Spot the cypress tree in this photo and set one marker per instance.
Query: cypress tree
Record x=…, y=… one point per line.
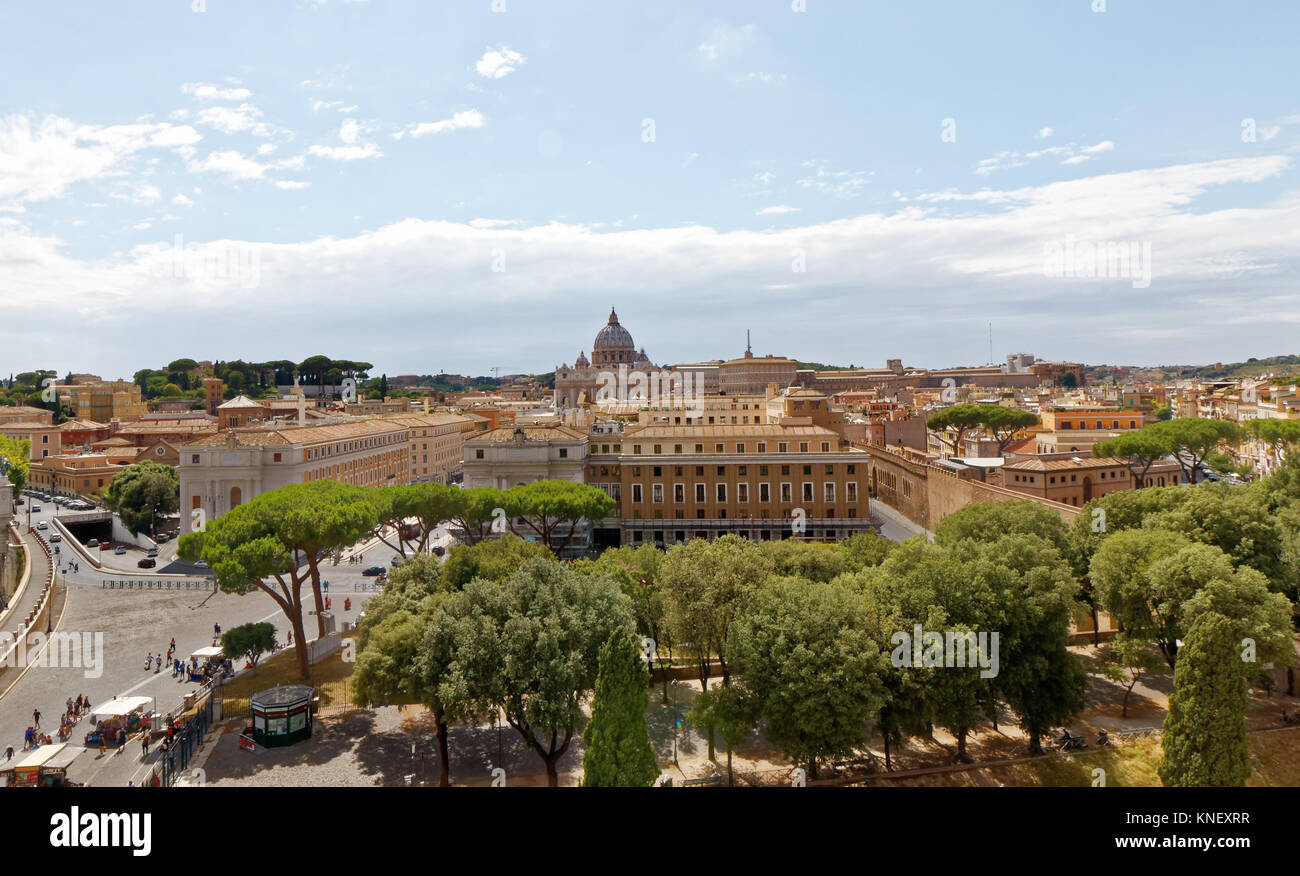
x=1205, y=730
x=618, y=751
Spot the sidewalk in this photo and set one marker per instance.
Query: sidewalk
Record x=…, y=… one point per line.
x=30, y=595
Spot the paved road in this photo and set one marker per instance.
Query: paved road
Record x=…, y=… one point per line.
x=893, y=525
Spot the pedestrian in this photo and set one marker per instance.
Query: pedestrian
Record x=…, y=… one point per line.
x=121, y=737
x=158, y=664
x=103, y=745
x=9, y=753
x=148, y=661
x=36, y=718
x=290, y=637
x=144, y=744
x=28, y=738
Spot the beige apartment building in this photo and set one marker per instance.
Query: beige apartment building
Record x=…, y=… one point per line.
x=221, y=471
x=25, y=414
x=107, y=400
x=764, y=482
x=517, y=455
x=437, y=445
x=751, y=375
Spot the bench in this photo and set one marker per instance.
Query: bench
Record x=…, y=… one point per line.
x=708, y=780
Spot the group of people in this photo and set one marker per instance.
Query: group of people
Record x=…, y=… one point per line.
x=357, y=559
x=33, y=737
x=156, y=660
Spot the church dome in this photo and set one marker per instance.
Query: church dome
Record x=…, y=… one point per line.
x=581, y=361
x=613, y=343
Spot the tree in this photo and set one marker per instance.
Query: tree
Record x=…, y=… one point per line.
x=530, y=646
x=1127, y=661
x=1145, y=606
x=962, y=418
x=475, y=512
x=548, y=508
x=1142, y=449
x=495, y=559
x=809, y=560
x=1194, y=439
x=1006, y=423
x=1205, y=731
x=805, y=652
x=273, y=536
x=428, y=504
x=730, y=712
x=618, y=751
x=143, y=492
x=251, y=640
x=17, y=453
x=989, y=521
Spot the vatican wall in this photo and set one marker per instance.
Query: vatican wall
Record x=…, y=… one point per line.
x=925, y=494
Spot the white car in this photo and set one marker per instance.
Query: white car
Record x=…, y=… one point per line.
x=42, y=525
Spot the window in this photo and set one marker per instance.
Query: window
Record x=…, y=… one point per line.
x=785, y=469
x=828, y=491
x=762, y=471
x=636, y=471
x=564, y=453
x=781, y=447
x=194, y=460
x=276, y=456
x=762, y=447
x=852, y=489
x=659, y=471
x=740, y=448
x=721, y=492
x=830, y=469
x=807, y=491
x=659, y=448
x=677, y=448
x=677, y=470
x=742, y=492
x=722, y=471
x=785, y=493
x=636, y=493
x=826, y=447
x=699, y=494
x=742, y=470
x=636, y=449
x=764, y=493
x=657, y=493
x=852, y=469
x=699, y=448
x=717, y=448
x=803, y=446
x=807, y=469
x=478, y=454
x=679, y=493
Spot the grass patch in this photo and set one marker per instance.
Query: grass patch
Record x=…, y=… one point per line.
x=331, y=677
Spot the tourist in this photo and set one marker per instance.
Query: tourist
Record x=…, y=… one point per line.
x=144, y=744
x=9, y=753
x=36, y=718
x=103, y=745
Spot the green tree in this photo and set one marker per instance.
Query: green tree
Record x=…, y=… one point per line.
x=1205, y=730
x=251, y=640
x=530, y=647
x=1126, y=662
x=1194, y=439
x=1142, y=449
x=143, y=492
x=1145, y=606
x=728, y=711
x=1006, y=423
x=618, y=752
x=553, y=509
x=960, y=418
x=495, y=559
x=805, y=653
x=17, y=453
x=281, y=536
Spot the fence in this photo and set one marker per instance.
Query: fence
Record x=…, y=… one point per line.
x=157, y=584
x=183, y=746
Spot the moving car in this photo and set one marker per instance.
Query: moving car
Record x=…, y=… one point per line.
x=119, y=550
x=373, y=571
x=55, y=538
x=105, y=546
x=36, y=509
x=20, y=501
x=147, y=563
x=153, y=552
x=42, y=525
x=94, y=542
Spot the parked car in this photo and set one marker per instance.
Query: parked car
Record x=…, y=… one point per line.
x=20, y=501
x=153, y=552
x=55, y=538
x=105, y=546
x=119, y=550
x=373, y=571
x=201, y=564
x=162, y=537
x=147, y=563
x=36, y=509
x=42, y=525
x=94, y=542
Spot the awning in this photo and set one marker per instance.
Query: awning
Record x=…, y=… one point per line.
x=41, y=756
x=116, y=708
x=64, y=758
x=205, y=653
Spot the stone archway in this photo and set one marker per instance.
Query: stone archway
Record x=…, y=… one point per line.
x=236, y=496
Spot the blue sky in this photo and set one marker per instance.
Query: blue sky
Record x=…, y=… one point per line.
x=440, y=186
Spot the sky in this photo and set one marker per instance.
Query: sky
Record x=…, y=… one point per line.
x=469, y=184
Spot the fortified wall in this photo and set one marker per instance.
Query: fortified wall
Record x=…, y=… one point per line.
x=924, y=493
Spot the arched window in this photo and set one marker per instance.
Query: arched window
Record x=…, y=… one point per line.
x=236, y=497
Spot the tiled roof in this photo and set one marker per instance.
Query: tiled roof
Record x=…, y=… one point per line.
x=760, y=430
x=1081, y=462
x=506, y=434
x=301, y=434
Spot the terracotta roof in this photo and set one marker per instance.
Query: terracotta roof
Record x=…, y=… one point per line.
x=82, y=426
x=24, y=425
x=1081, y=462
x=239, y=401
x=195, y=428
x=506, y=434
x=112, y=442
x=300, y=434
x=759, y=430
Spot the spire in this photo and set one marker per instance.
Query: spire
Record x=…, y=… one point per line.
x=613, y=317
x=748, y=348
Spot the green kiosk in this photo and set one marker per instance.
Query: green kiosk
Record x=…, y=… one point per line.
x=282, y=715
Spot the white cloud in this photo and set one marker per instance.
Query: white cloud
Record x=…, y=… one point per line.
x=1069, y=154
x=1043, y=133
x=840, y=183
x=266, y=148
x=499, y=63
x=346, y=153
x=727, y=41
x=233, y=120
x=182, y=201
x=232, y=164
x=777, y=210
x=470, y=118
x=208, y=91
x=291, y=184
x=350, y=131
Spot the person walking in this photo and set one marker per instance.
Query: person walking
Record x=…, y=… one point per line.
x=103, y=745
x=29, y=738
x=144, y=745
x=157, y=664
x=9, y=753
x=36, y=718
